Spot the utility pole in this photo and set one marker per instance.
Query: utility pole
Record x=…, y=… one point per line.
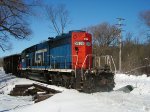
x=120, y=40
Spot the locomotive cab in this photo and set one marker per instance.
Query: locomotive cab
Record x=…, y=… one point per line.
x=82, y=47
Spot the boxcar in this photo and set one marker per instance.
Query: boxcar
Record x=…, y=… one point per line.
x=11, y=63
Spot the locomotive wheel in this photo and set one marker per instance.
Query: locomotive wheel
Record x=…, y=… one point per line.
x=66, y=81
x=47, y=77
x=72, y=82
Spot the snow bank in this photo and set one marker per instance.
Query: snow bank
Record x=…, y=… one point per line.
x=10, y=103
x=141, y=84
x=7, y=82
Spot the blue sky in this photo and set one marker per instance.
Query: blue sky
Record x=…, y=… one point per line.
x=84, y=13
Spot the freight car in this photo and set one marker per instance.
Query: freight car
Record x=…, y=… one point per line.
x=11, y=63
x=67, y=60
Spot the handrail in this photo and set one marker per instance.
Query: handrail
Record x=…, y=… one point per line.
x=108, y=59
x=50, y=58
x=76, y=65
x=82, y=74
x=54, y=57
x=86, y=59
x=113, y=64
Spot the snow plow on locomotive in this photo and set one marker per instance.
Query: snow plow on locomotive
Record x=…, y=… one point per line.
x=67, y=60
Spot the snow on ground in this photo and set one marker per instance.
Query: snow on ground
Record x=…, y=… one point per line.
x=141, y=84
x=73, y=101
x=7, y=82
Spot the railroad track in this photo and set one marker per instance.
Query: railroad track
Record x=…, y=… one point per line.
x=38, y=91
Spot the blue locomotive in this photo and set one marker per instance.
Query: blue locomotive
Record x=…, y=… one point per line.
x=67, y=60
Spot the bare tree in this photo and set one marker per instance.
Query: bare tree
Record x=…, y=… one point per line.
x=104, y=35
x=145, y=17
x=12, y=21
x=58, y=17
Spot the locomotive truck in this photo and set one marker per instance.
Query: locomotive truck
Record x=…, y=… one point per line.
x=66, y=60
